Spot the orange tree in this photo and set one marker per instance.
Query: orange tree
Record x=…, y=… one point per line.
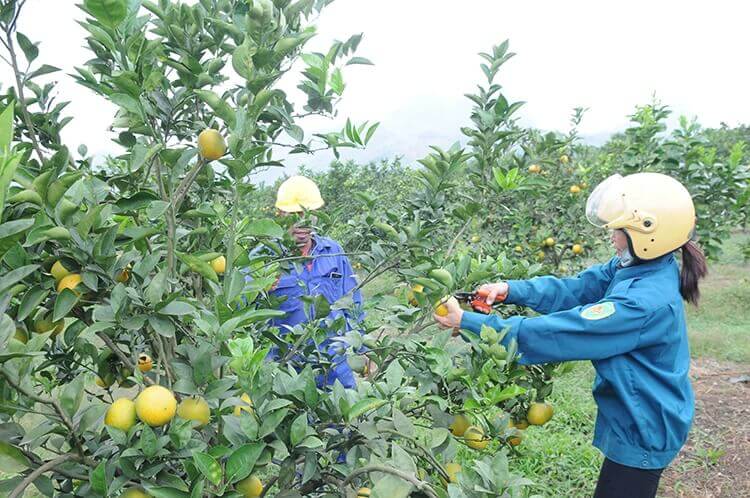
x=716, y=174
x=523, y=190
x=134, y=303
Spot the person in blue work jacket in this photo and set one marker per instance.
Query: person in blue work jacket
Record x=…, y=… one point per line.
x=627, y=316
x=326, y=271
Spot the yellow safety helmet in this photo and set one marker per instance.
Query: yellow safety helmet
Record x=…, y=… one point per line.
x=655, y=211
x=298, y=193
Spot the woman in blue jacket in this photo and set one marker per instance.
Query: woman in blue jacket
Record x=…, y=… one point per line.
x=627, y=317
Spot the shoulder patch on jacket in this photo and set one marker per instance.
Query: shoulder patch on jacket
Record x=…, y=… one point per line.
x=599, y=311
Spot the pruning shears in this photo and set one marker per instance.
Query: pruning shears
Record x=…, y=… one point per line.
x=477, y=300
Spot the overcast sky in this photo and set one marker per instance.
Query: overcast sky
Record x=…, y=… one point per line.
x=607, y=56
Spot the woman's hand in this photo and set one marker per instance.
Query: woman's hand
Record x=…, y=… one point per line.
x=495, y=292
x=451, y=319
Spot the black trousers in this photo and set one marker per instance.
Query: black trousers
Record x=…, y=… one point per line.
x=621, y=481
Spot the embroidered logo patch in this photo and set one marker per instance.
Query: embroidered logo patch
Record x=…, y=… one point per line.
x=599, y=311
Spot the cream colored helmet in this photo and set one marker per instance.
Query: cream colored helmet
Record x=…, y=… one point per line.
x=655, y=210
x=298, y=193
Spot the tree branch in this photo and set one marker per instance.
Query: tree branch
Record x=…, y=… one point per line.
x=51, y=464
x=48, y=401
x=410, y=478
x=182, y=188
x=455, y=239
x=21, y=98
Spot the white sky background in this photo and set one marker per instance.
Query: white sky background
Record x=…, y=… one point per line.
x=608, y=56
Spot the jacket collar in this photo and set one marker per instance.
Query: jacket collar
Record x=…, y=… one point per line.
x=648, y=266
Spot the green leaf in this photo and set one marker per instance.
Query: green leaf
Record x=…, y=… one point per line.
x=271, y=422
x=98, y=479
x=264, y=228
x=10, y=356
x=126, y=102
x=156, y=209
x=72, y=395
x=388, y=485
x=198, y=265
x=30, y=302
x=240, y=463
x=311, y=442
x=10, y=228
x=7, y=329
x=149, y=442
x=363, y=406
x=108, y=12
x=30, y=50
x=12, y=460
x=63, y=304
x=402, y=423
x=208, y=466
x=136, y=201
x=359, y=60
x=242, y=58
x=218, y=105
x=248, y=317
x=8, y=164
x=6, y=127
x=299, y=429
x=156, y=288
x=177, y=308
x=165, y=492
x=15, y=276
x=44, y=69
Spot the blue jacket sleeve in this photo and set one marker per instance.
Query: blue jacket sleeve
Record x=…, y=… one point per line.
x=550, y=294
x=592, y=332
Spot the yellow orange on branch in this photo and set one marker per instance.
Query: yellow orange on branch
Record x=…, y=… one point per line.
x=69, y=282
x=211, y=145
x=156, y=405
x=539, y=413
x=121, y=414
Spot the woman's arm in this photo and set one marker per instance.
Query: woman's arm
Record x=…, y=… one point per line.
x=607, y=328
x=551, y=294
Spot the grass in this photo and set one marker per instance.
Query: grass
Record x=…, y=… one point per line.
x=719, y=326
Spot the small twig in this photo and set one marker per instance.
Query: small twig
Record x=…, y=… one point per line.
x=184, y=186
x=122, y=356
x=48, y=401
x=455, y=239
x=268, y=485
x=410, y=478
x=21, y=97
x=38, y=461
x=18, y=491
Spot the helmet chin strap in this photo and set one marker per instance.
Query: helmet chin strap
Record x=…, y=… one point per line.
x=627, y=258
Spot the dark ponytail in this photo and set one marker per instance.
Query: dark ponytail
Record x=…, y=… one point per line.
x=693, y=269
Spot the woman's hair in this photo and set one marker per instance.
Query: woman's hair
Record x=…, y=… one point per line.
x=693, y=269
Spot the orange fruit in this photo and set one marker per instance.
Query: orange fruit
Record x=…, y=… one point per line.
x=211, y=145
x=69, y=282
x=539, y=413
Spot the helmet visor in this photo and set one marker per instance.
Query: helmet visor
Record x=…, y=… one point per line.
x=606, y=204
